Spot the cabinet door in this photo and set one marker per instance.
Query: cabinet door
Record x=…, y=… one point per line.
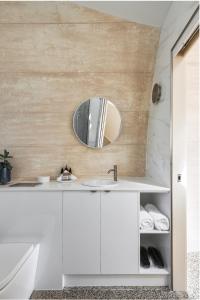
x=119, y=233
x=81, y=232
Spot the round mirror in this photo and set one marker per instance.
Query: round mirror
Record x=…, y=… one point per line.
x=97, y=122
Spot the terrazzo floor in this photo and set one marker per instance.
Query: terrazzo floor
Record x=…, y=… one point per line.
x=145, y=293
x=193, y=276
x=111, y=293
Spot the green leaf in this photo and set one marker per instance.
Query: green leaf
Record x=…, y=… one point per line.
x=4, y=159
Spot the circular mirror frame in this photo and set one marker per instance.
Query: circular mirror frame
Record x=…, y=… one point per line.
x=73, y=121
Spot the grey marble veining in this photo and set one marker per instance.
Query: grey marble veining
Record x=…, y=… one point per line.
x=110, y=293
x=158, y=136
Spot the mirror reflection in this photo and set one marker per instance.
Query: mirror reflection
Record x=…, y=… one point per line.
x=97, y=122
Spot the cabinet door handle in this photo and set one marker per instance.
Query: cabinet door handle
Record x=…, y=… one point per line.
x=107, y=191
x=93, y=191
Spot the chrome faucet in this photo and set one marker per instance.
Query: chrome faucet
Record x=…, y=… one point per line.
x=114, y=170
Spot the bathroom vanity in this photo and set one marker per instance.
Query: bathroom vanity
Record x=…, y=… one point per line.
x=87, y=235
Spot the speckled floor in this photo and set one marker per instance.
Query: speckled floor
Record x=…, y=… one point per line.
x=193, y=262
x=111, y=293
x=193, y=276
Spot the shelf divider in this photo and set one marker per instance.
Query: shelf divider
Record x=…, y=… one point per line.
x=154, y=231
x=153, y=271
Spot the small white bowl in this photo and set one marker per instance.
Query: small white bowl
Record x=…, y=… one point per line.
x=43, y=179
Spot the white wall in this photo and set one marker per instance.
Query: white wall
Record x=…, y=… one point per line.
x=158, y=144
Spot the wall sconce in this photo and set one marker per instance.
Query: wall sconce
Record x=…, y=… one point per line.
x=156, y=93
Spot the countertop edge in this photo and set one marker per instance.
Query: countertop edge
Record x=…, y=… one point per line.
x=134, y=184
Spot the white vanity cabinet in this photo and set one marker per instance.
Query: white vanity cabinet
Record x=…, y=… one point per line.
x=81, y=232
x=87, y=238
x=119, y=232
x=100, y=232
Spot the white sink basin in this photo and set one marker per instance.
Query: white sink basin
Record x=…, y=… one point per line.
x=100, y=183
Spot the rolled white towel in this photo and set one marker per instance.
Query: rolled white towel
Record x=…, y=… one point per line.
x=146, y=221
x=161, y=222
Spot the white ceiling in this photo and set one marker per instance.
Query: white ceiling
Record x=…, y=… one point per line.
x=144, y=12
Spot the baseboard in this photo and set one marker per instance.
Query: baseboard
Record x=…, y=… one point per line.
x=115, y=280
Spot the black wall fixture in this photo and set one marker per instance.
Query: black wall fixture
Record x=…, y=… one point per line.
x=156, y=93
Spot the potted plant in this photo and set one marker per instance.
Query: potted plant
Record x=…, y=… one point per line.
x=5, y=167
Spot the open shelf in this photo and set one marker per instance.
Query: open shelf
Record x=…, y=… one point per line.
x=154, y=231
x=160, y=239
x=154, y=271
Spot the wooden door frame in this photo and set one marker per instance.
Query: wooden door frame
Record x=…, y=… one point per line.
x=195, y=13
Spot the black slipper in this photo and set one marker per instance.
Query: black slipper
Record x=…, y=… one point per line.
x=156, y=257
x=144, y=260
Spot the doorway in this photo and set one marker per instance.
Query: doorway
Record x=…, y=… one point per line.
x=186, y=162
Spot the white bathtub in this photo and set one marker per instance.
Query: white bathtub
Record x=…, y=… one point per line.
x=18, y=263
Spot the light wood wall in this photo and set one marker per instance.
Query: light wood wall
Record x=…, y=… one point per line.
x=54, y=55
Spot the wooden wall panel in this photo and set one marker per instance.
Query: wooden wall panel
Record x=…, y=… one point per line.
x=103, y=47
x=53, y=12
x=60, y=92
x=48, y=160
x=54, y=55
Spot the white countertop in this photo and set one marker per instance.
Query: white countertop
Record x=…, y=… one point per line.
x=137, y=184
